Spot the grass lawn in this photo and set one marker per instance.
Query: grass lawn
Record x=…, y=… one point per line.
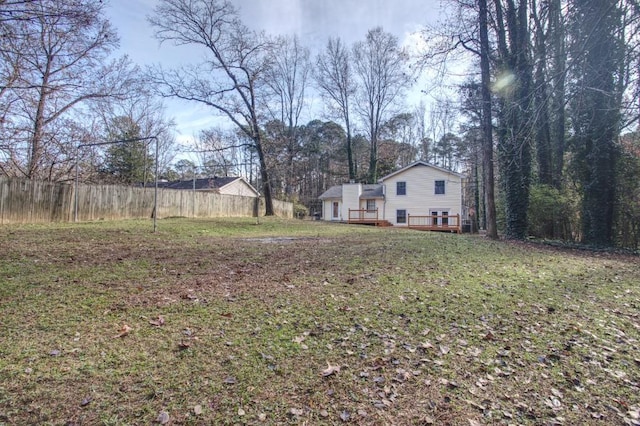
x=291, y=322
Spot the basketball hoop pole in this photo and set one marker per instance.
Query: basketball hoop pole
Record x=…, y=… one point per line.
x=155, y=189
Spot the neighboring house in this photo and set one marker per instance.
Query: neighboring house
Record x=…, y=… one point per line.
x=419, y=195
x=221, y=185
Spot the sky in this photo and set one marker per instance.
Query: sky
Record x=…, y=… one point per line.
x=314, y=21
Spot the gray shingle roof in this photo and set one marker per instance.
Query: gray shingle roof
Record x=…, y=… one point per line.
x=368, y=191
x=372, y=191
x=333, y=192
x=215, y=182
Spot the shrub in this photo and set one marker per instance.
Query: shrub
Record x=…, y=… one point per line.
x=552, y=214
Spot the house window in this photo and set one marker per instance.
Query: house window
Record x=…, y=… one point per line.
x=371, y=205
x=445, y=218
x=401, y=216
x=434, y=218
x=401, y=188
x=336, y=209
x=439, y=187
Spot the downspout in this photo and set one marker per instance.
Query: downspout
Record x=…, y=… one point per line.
x=384, y=201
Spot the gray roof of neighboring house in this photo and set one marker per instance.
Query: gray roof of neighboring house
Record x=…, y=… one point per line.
x=368, y=191
x=215, y=182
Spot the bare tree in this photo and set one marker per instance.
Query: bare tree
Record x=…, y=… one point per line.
x=380, y=65
x=335, y=78
x=230, y=78
x=220, y=152
x=55, y=61
x=288, y=80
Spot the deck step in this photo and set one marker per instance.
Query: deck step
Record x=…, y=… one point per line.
x=384, y=223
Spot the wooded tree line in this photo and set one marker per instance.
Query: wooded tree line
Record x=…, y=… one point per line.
x=555, y=102
x=542, y=127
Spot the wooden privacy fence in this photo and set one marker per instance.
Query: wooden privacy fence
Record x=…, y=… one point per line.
x=31, y=201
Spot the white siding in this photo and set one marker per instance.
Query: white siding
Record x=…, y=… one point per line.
x=327, y=209
x=421, y=198
x=350, y=198
x=238, y=187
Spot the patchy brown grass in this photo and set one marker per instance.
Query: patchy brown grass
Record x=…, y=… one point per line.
x=292, y=322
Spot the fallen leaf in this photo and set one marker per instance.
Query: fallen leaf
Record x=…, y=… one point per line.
x=324, y=413
x=230, y=380
x=241, y=412
x=297, y=411
x=157, y=322
x=124, y=330
x=54, y=352
x=262, y=417
x=163, y=418
x=86, y=401
x=476, y=405
x=475, y=352
x=345, y=416
x=426, y=345
x=331, y=369
x=197, y=410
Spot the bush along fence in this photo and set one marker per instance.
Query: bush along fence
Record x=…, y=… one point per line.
x=32, y=201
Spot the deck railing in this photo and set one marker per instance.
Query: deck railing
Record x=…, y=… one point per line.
x=449, y=223
x=362, y=215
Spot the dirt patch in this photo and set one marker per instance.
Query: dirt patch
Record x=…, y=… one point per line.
x=287, y=240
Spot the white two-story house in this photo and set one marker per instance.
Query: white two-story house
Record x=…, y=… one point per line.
x=419, y=195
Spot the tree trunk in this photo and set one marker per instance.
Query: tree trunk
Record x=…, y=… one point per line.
x=598, y=114
x=264, y=175
x=373, y=155
x=352, y=170
x=514, y=136
x=487, y=127
x=541, y=103
x=558, y=71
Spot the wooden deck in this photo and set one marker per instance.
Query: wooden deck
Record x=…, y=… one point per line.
x=443, y=223
x=366, y=217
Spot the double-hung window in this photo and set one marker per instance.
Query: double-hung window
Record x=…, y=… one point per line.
x=401, y=216
x=439, y=187
x=401, y=188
